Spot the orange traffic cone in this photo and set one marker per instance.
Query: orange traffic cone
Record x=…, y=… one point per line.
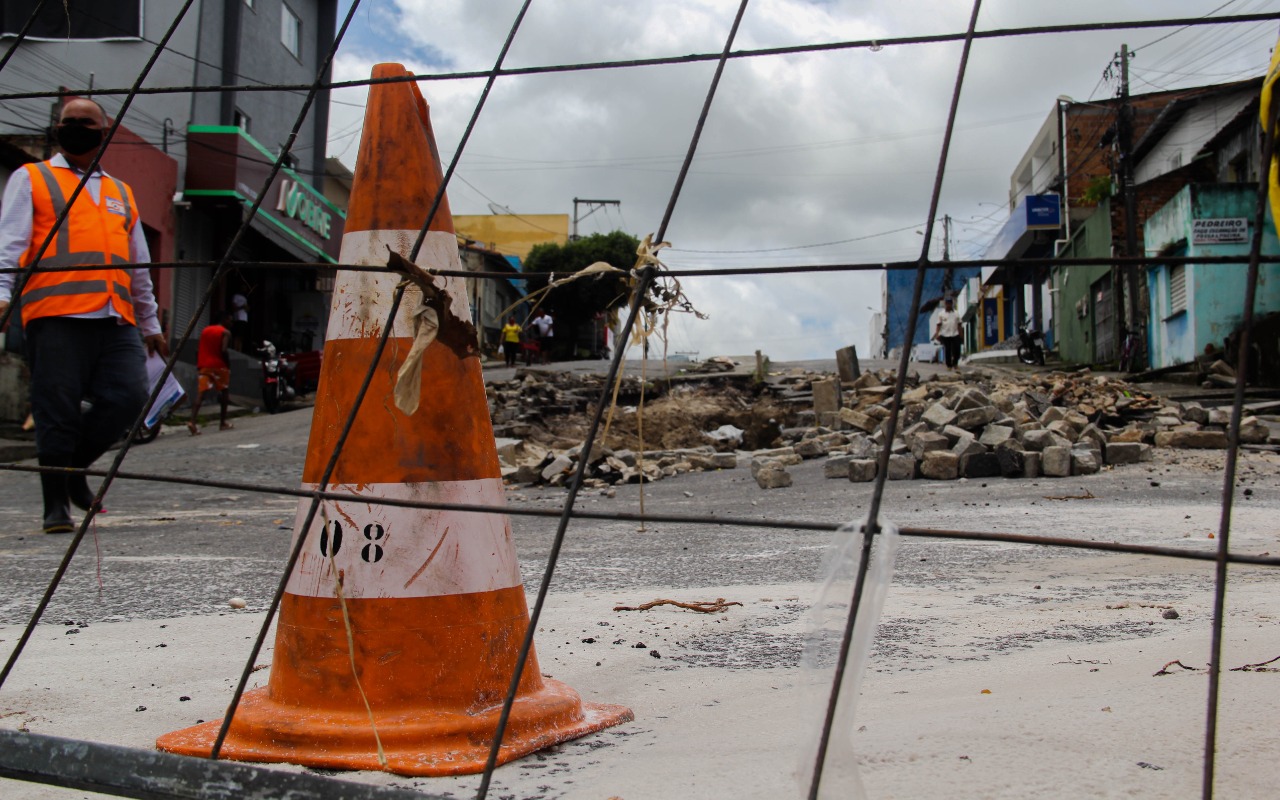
x=435, y=602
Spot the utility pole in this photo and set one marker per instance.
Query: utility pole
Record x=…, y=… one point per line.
x=592, y=207
x=948, y=274
x=1126, y=287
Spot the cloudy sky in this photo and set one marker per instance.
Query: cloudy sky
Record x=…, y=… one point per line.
x=824, y=158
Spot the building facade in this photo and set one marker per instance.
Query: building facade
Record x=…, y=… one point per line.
x=197, y=160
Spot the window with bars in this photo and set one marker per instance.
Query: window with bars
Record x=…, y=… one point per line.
x=1177, y=289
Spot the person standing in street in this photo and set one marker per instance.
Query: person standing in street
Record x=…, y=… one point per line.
x=947, y=332
x=213, y=363
x=544, y=324
x=240, y=322
x=510, y=340
x=85, y=329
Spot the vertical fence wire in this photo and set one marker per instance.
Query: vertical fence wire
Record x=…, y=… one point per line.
x=1243, y=373
x=641, y=290
x=872, y=525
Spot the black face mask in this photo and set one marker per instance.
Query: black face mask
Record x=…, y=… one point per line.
x=77, y=139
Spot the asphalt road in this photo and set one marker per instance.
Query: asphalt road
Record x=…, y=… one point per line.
x=169, y=550
x=713, y=712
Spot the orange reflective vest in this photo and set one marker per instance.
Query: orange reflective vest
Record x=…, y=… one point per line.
x=91, y=234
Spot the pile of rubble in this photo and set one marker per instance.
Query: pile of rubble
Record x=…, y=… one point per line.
x=1054, y=424
x=973, y=424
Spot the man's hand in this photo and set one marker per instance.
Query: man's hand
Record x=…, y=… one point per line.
x=4, y=306
x=157, y=344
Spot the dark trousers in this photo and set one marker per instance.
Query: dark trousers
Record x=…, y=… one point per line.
x=98, y=360
x=951, y=348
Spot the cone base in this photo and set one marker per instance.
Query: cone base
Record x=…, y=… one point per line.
x=427, y=744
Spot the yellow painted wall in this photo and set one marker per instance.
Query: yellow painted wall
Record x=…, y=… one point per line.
x=513, y=235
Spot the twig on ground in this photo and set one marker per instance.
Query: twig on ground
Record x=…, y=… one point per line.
x=1088, y=495
x=1071, y=660
x=707, y=607
x=1165, y=669
x=1259, y=667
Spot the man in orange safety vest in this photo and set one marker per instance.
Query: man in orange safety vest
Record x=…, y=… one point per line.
x=85, y=329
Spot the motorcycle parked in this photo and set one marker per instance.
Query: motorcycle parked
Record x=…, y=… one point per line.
x=1030, y=345
x=277, y=378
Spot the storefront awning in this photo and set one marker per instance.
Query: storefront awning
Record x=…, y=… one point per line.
x=1034, y=215
x=224, y=161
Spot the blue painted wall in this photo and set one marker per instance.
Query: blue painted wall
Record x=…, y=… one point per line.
x=900, y=283
x=1215, y=292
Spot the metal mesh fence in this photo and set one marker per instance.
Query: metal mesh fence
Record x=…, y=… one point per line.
x=644, y=279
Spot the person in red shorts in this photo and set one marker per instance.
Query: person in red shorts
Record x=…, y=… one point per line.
x=214, y=367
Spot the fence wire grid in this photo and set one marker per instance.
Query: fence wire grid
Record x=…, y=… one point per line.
x=644, y=281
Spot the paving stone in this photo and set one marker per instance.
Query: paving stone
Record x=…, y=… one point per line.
x=862, y=470
x=940, y=465
x=1123, y=452
x=980, y=465
x=927, y=442
x=1012, y=462
x=811, y=448
x=1196, y=440
x=938, y=416
x=836, y=466
x=1036, y=441
x=1031, y=465
x=902, y=467
x=994, y=435
x=1083, y=462
x=954, y=433
x=972, y=418
x=857, y=419
x=826, y=396
x=773, y=476
x=1055, y=461
x=967, y=446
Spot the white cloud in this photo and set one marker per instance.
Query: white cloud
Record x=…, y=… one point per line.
x=797, y=150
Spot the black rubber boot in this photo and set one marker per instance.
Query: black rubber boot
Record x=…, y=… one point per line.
x=79, y=492
x=57, y=504
x=78, y=485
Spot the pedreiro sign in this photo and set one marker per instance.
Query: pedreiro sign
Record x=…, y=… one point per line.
x=295, y=203
x=1220, y=231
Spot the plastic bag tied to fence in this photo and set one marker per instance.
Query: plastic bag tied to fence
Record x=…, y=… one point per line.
x=827, y=621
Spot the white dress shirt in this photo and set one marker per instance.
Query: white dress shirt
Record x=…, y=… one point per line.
x=16, y=219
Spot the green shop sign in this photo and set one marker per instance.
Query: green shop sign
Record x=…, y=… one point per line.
x=295, y=203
